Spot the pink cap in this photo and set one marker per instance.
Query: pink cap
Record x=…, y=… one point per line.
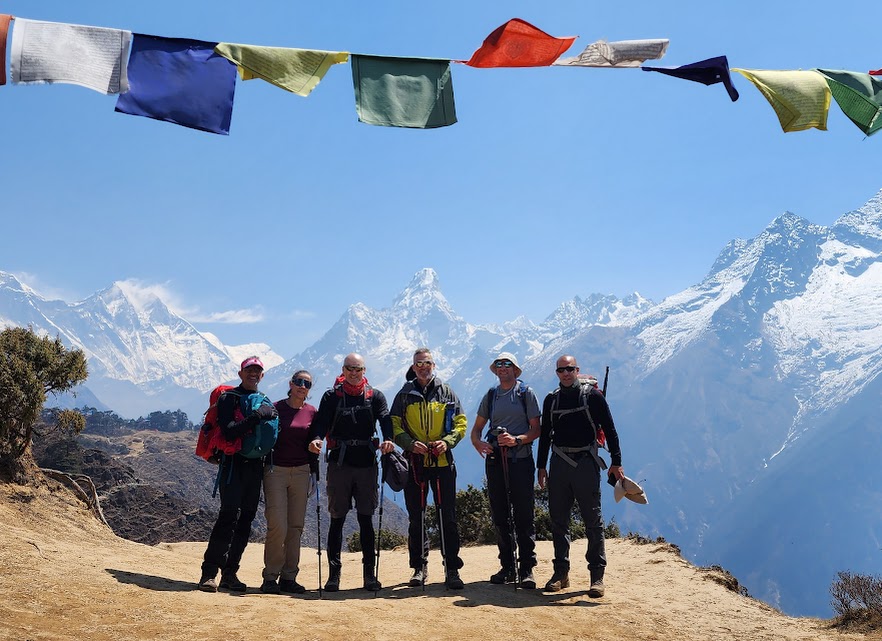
x=251, y=360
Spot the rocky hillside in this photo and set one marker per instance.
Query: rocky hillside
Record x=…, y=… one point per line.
x=153, y=488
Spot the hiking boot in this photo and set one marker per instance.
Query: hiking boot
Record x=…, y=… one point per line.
x=232, y=583
x=269, y=586
x=370, y=580
x=420, y=576
x=505, y=575
x=453, y=581
x=208, y=584
x=596, y=590
x=526, y=580
x=290, y=586
x=333, y=582
x=558, y=581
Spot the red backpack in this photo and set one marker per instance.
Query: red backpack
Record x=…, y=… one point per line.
x=211, y=442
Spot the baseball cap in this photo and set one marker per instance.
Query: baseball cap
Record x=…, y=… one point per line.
x=251, y=360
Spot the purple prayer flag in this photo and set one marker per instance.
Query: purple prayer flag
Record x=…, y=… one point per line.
x=181, y=81
x=708, y=72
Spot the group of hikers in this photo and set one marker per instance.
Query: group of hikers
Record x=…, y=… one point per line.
x=426, y=420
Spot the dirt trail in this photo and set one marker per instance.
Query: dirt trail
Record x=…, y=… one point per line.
x=63, y=576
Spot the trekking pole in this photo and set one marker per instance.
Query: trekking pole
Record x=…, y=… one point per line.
x=380, y=519
x=439, y=512
x=605, y=379
x=318, y=523
x=513, y=539
x=424, y=494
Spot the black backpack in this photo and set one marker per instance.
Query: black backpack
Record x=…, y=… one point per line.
x=395, y=470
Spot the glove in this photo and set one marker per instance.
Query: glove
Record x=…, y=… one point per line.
x=266, y=412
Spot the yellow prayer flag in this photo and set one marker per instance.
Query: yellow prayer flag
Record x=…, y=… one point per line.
x=296, y=70
x=801, y=99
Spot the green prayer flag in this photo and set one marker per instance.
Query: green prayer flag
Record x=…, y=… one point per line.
x=859, y=96
x=403, y=92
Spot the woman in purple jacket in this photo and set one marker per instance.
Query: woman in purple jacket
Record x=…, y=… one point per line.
x=286, y=481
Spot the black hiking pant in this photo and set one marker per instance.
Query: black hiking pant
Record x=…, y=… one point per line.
x=443, y=480
x=582, y=485
x=521, y=474
x=240, y=483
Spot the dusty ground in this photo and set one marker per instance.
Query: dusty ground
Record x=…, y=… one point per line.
x=64, y=576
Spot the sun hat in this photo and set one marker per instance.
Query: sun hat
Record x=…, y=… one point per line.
x=626, y=488
x=506, y=356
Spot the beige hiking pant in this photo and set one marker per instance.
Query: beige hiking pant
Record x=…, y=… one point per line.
x=285, y=492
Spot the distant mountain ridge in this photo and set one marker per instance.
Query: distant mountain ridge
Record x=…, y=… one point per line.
x=140, y=354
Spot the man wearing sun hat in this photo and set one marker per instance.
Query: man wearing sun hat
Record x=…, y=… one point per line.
x=512, y=411
x=240, y=483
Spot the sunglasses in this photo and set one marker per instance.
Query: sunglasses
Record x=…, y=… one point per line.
x=302, y=382
x=502, y=364
x=568, y=368
x=423, y=363
x=353, y=368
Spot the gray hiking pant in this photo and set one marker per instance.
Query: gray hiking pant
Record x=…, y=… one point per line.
x=285, y=491
x=582, y=485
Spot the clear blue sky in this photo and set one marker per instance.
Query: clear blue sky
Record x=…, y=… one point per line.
x=555, y=182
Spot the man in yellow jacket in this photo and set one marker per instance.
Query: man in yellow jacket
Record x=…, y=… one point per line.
x=427, y=422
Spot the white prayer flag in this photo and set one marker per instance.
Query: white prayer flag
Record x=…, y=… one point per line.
x=92, y=57
x=623, y=53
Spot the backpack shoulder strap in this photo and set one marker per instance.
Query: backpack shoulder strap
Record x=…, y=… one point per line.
x=491, y=396
x=555, y=402
x=522, y=394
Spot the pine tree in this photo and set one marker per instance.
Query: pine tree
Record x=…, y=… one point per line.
x=30, y=368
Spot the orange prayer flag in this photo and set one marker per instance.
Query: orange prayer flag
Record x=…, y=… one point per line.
x=519, y=44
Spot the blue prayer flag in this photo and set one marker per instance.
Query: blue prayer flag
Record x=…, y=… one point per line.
x=181, y=81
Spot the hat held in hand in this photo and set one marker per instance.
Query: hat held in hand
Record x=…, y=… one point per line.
x=626, y=488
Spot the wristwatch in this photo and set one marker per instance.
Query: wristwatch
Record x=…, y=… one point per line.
x=518, y=439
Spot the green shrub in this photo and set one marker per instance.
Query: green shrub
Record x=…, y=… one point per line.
x=612, y=530
x=389, y=540
x=857, y=599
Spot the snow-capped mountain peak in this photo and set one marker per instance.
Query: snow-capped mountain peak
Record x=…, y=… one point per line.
x=422, y=296
x=865, y=221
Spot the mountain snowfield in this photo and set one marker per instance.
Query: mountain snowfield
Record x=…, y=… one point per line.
x=747, y=404
x=141, y=355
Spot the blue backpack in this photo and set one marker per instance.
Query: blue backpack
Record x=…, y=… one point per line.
x=260, y=441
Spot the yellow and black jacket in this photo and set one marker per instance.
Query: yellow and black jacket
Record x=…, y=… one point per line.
x=433, y=414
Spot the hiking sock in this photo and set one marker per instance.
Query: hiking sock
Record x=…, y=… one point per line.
x=370, y=579
x=335, y=545
x=367, y=536
x=335, y=540
x=333, y=582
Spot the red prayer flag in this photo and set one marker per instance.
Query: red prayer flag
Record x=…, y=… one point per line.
x=4, y=30
x=519, y=44
x=878, y=72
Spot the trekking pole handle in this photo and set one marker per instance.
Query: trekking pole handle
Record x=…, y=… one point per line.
x=500, y=431
x=419, y=447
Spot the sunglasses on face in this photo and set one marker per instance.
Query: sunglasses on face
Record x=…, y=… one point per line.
x=353, y=368
x=499, y=364
x=423, y=363
x=302, y=382
x=568, y=368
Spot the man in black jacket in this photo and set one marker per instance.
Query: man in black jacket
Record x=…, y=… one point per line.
x=347, y=417
x=570, y=415
x=240, y=482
